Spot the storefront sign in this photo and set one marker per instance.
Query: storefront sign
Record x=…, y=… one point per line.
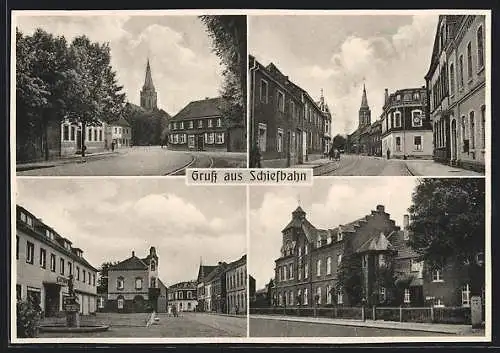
x=72, y=307
x=62, y=281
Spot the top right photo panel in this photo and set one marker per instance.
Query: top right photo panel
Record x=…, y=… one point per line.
x=389, y=94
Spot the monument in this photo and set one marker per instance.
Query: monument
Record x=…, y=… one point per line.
x=71, y=306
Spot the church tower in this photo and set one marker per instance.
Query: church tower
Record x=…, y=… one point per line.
x=365, y=118
x=148, y=92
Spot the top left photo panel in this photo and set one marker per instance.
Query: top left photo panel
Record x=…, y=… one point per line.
x=127, y=93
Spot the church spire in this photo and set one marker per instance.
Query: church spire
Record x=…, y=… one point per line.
x=364, y=100
x=148, y=92
x=148, y=82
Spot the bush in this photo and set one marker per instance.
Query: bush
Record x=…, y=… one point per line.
x=28, y=319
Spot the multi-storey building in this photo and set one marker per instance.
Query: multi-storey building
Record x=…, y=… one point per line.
x=118, y=133
x=456, y=85
x=182, y=296
x=201, y=292
x=287, y=125
x=306, y=273
x=360, y=140
x=236, y=286
x=133, y=285
x=406, y=126
x=327, y=124
x=45, y=262
x=376, y=139
x=215, y=289
x=199, y=126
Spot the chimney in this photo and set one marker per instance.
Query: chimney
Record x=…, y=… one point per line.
x=380, y=208
x=133, y=253
x=406, y=221
x=386, y=96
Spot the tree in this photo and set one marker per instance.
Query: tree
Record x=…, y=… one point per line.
x=270, y=292
x=229, y=40
x=349, y=279
x=102, y=281
x=447, y=220
x=339, y=142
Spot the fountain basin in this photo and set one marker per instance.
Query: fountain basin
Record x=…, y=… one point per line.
x=65, y=329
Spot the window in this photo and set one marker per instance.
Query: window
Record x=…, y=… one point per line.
x=262, y=137
x=306, y=249
x=138, y=283
x=191, y=141
x=153, y=282
x=397, y=117
x=279, y=140
x=175, y=126
x=339, y=259
x=290, y=271
x=263, y=91
x=417, y=142
x=219, y=122
x=291, y=298
x=452, y=78
x=77, y=273
x=120, y=303
x=53, y=262
x=73, y=133
x=209, y=122
x=84, y=276
x=95, y=134
x=318, y=267
x=329, y=265
x=43, y=258
x=398, y=144
x=70, y=268
x=339, y=236
x=381, y=260
x=30, y=252
x=119, y=282
x=466, y=295
x=406, y=298
x=416, y=95
x=65, y=133
x=480, y=48
x=306, y=270
x=340, y=297
x=100, y=135
x=17, y=247
x=181, y=125
x=281, y=101
x=305, y=296
x=318, y=241
x=382, y=294
x=329, y=239
x=180, y=295
x=209, y=136
x=437, y=276
x=200, y=124
x=469, y=60
x=438, y=303
x=398, y=97
x=483, y=126
x=88, y=278
x=219, y=138
x=61, y=266
x=416, y=118
x=191, y=124
x=472, y=131
x=284, y=269
x=318, y=294
x=89, y=134
x=461, y=70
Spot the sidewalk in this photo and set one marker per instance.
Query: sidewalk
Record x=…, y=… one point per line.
x=462, y=330
x=421, y=167
x=64, y=160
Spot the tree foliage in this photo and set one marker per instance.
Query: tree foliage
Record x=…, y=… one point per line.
x=339, y=141
x=447, y=220
x=28, y=316
x=56, y=81
x=102, y=281
x=149, y=127
x=229, y=39
x=349, y=279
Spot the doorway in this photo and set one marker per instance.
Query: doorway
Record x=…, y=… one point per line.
x=51, y=299
x=200, y=143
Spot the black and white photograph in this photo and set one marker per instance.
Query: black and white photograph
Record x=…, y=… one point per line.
x=371, y=94
x=369, y=258
x=122, y=93
x=139, y=258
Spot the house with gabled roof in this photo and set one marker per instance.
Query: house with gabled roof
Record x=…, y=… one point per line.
x=134, y=285
x=306, y=273
x=202, y=294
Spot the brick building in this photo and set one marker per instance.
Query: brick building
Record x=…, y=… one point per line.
x=201, y=290
x=199, y=126
x=45, y=260
x=306, y=273
x=287, y=124
x=456, y=85
x=182, y=295
x=133, y=285
x=406, y=125
x=236, y=286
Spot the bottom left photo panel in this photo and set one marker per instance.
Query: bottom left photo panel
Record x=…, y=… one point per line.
x=128, y=258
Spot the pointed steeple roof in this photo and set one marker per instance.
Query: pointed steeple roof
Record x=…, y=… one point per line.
x=148, y=82
x=364, y=100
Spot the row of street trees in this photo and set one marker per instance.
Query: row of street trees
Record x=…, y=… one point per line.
x=57, y=80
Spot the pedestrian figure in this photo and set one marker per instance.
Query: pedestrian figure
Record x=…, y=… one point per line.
x=388, y=154
x=113, y=146
x=255, y=155
x=330, y=153
x=236, y=309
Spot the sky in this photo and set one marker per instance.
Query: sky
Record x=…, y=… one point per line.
x=182, y=64
x=339, y=53
x=109, y=218
x=329, y=203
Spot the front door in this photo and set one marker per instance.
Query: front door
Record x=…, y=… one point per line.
x=51, y=300
x=200, y=143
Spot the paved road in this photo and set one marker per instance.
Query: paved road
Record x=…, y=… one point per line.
x=364, y=165
x=186, y=325
x=142, y=161
x=276, y=328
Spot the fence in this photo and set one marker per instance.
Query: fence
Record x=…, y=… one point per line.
x=450, y=315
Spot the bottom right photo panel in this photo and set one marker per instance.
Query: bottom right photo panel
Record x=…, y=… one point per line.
x=370, y=257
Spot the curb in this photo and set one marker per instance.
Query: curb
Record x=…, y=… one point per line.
x=364, y=324
x=176, y=171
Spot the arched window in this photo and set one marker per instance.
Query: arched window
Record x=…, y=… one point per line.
x=138, y=283
x=153, y=265
x=329, y=265
x=469, y=60
x=318, y=267
x=318, y=294
x=480, y=48
x=120, y=282
x=461, y=70
x=452, y=78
